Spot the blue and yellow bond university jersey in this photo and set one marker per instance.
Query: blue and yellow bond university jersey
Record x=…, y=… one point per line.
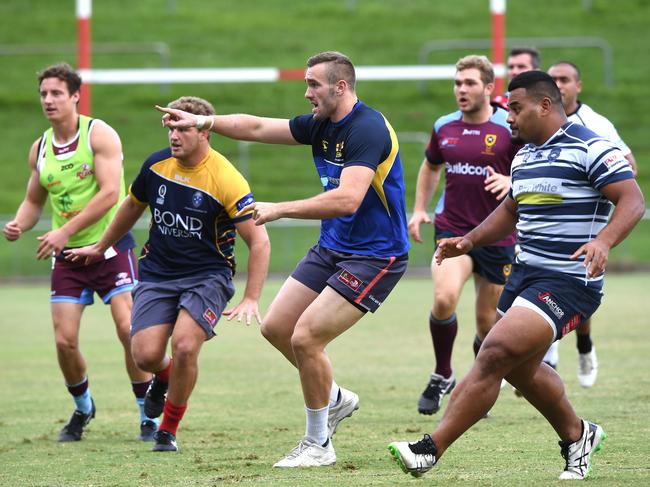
x=192, y=229
x=363, y=138
x=557, y=188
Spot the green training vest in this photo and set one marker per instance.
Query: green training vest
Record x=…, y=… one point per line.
x=70, y=182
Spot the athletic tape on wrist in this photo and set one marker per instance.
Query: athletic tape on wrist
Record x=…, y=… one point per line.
x=200, y=121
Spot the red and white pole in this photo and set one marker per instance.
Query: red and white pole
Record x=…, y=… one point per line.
x=498, y=14
x=84, y=12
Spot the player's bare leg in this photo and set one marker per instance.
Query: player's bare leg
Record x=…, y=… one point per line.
x=121, y=305
x=325, y=318
x=66, y=319
x=508, y=347
x=283, y=314
x=187, y=339
x=487, y=298
x=448, y=280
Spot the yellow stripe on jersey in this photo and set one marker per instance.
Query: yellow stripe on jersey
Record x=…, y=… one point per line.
x=538, y=198
x=385, y=166
x=214, y=175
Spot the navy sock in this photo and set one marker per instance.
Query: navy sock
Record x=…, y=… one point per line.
x=476, y=345
x=584, y=343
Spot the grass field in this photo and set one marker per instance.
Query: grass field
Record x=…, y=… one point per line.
x=246, y=410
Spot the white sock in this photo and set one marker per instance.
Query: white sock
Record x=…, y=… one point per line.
x=334, y=393
x=317, y=424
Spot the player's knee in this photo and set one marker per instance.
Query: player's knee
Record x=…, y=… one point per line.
x=444, y=305
x=272, y=332
x=494, y=358
x=66, y=344
x=184, y=350
x=147, y=359
x=302, y=340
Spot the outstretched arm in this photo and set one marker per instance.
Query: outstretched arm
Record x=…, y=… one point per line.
x=344, y=200
x=629, y=209
x=239, y=126
x=259, y=247
x=31, y=208
x=125, y=218
x=498, y=225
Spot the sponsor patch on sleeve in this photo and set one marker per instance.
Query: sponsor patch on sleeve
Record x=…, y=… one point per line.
x=246, y=200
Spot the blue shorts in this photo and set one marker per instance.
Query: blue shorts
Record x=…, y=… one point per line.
x=492, y=262
x=75, y=282
x=563, y=301
x=204, y=298
x=364, y=281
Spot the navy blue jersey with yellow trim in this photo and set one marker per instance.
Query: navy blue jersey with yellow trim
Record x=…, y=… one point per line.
x=192, y=230
x=363, y=138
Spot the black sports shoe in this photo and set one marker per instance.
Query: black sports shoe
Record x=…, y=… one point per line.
x=147, y=430
x=75, y=427
x=154, y=401
x=431, y=397
x=165, y=441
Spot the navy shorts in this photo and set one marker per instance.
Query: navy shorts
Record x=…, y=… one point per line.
x=74, y=282
x=204, y=298
x=492, y=262
x=563, y=301
x=363, y=280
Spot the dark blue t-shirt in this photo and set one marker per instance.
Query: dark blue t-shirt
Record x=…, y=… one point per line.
x=363, y=138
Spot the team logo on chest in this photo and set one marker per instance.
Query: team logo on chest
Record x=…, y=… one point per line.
x=85, y=171
x=338, y=155
x=325, y=145
x=490, y=140
x=554, y=154
x=197, y=199
x=162, y=191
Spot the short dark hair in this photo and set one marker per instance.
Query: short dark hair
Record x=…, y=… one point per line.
x=568, y=63
x=535, y=57
x=340, y=67
x=65, y=73
x=538, y=84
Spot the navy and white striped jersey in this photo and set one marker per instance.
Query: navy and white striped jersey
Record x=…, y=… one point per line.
x=560, y=206
x=585, y=115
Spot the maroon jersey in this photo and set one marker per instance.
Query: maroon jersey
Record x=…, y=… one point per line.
x=467, y=150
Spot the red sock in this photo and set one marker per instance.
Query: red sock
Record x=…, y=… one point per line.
x=172, y=415
x=163, y=374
